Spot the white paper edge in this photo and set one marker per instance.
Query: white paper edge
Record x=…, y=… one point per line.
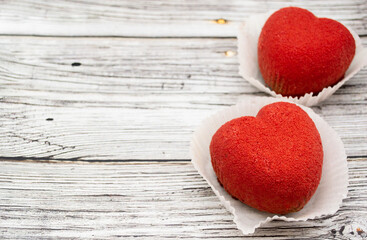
x=249, y=32
x=331, y=144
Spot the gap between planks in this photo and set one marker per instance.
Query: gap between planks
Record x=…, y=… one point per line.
x=119, y=161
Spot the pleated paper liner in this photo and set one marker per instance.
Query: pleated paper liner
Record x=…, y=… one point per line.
x=329, y=194
x=248, y=36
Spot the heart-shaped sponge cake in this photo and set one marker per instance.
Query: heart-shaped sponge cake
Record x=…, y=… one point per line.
x=271, y=162
x=299, y=53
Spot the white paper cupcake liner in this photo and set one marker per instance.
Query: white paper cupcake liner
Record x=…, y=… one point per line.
x=248, y=36
x=329, y=194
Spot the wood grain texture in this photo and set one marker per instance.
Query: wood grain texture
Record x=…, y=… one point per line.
x=128, y=102
x=155, y=201
x=151, y=18
x=133, y=98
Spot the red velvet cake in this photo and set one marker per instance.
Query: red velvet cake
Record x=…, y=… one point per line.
x=271, y=162
x=299, y=53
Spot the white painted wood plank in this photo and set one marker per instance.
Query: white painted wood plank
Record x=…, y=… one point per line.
x=157, y=18
x=155, y=201
x=132, y=98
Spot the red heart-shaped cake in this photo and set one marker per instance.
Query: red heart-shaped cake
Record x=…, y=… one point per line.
x=299, y=53
x=271, y=162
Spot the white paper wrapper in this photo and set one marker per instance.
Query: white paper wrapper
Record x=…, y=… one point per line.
x=248, y=36
x=325, y=201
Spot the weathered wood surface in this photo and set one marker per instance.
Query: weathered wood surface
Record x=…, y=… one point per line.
x=160, y=201
x=157, y=18
x=133, y=98
x=135, y=102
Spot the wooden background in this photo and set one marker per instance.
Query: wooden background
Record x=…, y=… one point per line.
x=99, y=100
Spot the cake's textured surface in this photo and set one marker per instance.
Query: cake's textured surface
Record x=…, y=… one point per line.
x=271, y=162
x=299, y=53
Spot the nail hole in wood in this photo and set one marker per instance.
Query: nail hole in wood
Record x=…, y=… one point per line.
x=76, y=64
